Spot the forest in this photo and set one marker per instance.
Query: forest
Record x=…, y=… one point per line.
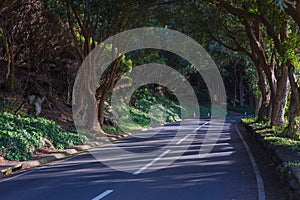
x=254, y=44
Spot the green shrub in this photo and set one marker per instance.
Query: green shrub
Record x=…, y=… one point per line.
x=146, y=109
x=249, y=120
x=21, y=136
x=276, y=140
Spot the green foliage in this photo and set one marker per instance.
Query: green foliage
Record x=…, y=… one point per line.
x=126, y=64
x=276, y=140
x=21, y=136
x=276, y=134
x=146, y=109
x=249, y=120
x=261, y=125
x=282, y=168
x=279, y=130
x=7, y=104
x=111, y=129
x=154, y=109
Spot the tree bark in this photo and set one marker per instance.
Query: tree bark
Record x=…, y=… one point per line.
x=294, y=109
x=252, y=23
x=8, y=5
x=263, y=112
x=241, y=92
x=235, y=85
x=277, y=84
x=294, y=12
x=280, y=98
x=257, y=104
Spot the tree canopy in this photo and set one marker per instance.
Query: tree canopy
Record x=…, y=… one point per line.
x=254, y=43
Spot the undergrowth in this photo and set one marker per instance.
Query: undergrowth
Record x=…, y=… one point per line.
x=275, y=135
x=21, y=136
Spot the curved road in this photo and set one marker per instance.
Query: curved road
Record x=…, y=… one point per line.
x=227, y=172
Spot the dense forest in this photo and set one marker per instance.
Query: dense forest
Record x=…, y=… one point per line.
x=255, y=45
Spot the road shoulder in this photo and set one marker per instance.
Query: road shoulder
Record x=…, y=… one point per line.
x=274, y=188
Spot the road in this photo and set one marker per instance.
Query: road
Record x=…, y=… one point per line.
x=227, y=172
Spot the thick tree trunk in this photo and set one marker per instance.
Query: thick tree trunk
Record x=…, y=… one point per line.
x=106, y=88
x=294, y=116
x=85, y=109
x=101, y=108
x=280, y=99
x=257, y=104
x=294, y=109
x=263, y=112
x=259, y=58
x=92, y=122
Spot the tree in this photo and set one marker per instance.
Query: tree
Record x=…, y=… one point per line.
x=255, y=19
x=88, y=23
x=31, y=37
x=279, y=29
x=292, y=8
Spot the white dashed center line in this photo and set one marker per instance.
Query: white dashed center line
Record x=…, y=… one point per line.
x=194, y=131
x=102, y=195
x=165, y=152
x=151, y=163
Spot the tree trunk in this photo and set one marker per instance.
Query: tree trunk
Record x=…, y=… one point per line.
x=101, y=108
x=294, y=116
x=280, y=98
x=241, y=92
x=235, y=97
x=294, y=109
x=263, y=112
x=257, y=104
x=251, y=98
x=259, y=58
x=92, y=122
x=85, y=110
x=107, y=88
x=235, y=85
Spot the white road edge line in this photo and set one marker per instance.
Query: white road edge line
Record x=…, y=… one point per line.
x=151, y=163
x=259, y=180
x=40, y=167
x=16, y=176
x=102, y=195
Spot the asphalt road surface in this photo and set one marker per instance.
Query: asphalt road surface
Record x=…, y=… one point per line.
x=228, y=171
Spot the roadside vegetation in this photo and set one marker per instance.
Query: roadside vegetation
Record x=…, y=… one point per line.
x=274, y=134
x=255, y=45
x=21, y=136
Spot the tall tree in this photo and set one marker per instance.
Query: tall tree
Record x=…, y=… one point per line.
x=255, y=19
